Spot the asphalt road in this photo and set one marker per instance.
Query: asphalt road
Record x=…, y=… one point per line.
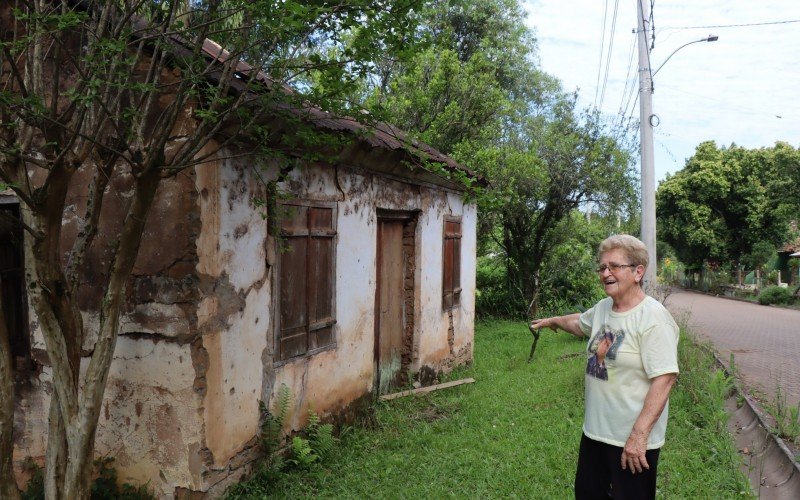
x=764, y=340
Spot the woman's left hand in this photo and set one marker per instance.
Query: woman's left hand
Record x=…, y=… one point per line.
x=633, y=454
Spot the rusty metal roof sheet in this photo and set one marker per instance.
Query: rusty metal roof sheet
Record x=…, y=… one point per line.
x=378, y=135
x=792, y=246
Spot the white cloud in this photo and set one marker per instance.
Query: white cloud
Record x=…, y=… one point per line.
x=731, y=90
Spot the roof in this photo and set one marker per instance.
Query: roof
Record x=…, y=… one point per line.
x=379, y=135
x=792, y=246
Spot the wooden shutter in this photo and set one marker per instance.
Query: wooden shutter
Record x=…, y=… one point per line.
x=306, y=280
x=293, y=336
x=320, y=277
x=451, y=286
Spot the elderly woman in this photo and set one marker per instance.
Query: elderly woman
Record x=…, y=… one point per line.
x=632, y=364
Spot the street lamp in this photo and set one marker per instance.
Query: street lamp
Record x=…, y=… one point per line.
x=646, y=120
x=709, y=38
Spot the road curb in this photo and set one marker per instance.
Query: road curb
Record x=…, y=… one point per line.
x=766, y=459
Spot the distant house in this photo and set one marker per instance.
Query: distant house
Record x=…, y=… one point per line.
x=369, y=285
x=786, y=255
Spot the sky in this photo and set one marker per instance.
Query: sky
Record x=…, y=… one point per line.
x=743, y=88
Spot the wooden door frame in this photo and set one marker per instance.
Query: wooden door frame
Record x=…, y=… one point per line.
x=406, y=217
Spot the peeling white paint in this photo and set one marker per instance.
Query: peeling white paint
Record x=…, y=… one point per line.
x=234, y=379
x=242, y=252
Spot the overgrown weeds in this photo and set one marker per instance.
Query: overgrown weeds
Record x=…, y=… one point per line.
x=787, y=417
x=697, y=434
x=514, y=433
x=305, y=451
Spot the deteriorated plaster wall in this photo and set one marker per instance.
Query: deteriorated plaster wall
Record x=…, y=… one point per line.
x=434, y=349
x=232, y=256
x=150, y=421
x=330, y=380
x=407, y=354
x=195, y=352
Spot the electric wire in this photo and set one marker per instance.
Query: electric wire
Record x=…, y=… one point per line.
x=624, y=117
x=629, y=119
x=600, y=59
x=610, y=50
x=645, y=27
x=652, y=24
x=627, y=116
x=628, y=81
x=742, y=25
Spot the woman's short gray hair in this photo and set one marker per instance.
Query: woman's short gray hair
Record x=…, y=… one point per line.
x=632, y=246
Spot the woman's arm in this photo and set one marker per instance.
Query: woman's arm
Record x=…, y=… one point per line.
x=570, y=323
x=633, y=455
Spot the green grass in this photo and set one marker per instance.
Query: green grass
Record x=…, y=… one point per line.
x=514, y=433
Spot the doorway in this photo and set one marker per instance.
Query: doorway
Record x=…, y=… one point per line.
x=12, y=289
x=394, y=299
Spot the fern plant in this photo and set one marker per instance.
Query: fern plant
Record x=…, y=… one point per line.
x=320, y=436
x=272, y=427
x=303, y=457
x=314, y=446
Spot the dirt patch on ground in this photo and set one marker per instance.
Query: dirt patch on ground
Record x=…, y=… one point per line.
x=432, y=412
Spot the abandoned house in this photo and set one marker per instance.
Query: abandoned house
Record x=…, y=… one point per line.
x=369, y=286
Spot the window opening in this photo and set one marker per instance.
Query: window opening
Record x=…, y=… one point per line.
x=306, y=279
x=451, y=288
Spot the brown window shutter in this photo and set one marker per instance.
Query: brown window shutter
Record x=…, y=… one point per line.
x=451, y=283
x=293, y=314
x=306, y=280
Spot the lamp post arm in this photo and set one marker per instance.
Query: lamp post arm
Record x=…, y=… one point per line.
x=709, y=38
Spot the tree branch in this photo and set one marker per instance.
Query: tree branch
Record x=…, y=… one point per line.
x=88, y=232
x=123, y=261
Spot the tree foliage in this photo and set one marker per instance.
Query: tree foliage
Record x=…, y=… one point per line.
x=474, y=90
x=729, y=204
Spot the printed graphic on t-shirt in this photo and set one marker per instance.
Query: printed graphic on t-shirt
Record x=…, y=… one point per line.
x=604, y=346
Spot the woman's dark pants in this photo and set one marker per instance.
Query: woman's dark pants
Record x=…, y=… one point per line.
x=600, y=475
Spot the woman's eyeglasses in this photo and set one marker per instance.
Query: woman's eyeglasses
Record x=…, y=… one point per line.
x=612, y=267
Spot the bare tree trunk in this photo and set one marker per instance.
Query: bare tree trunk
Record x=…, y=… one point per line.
x=74, y=413
x=56, y=460
x=8, y=486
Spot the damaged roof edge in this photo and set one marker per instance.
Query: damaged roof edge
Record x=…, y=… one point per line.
x=379, y=135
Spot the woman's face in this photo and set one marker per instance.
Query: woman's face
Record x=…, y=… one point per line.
x=622, y=281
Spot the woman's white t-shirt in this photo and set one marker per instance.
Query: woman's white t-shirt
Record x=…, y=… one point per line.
x=625, y=351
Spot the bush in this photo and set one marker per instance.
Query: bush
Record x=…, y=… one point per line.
x=775, y=295
x=492, y=297
x=567, y=288
x=772, y=277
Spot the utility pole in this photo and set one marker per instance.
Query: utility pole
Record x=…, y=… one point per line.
x=646, y=143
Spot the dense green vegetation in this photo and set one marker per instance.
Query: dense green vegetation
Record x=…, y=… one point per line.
x=472, y=88
x=514, y=433
x=776, y=295
x=730, y=206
